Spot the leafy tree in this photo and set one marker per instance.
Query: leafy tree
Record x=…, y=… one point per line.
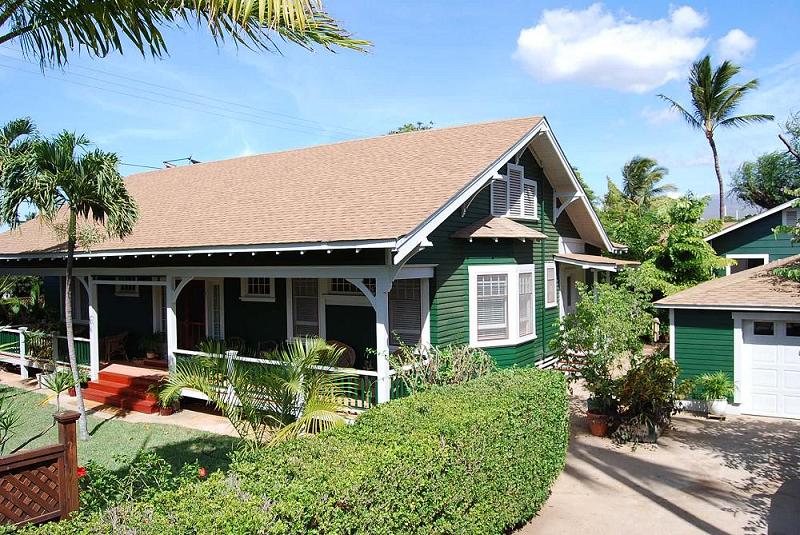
x=590, y=194
x=766, y=181
x=682, y=252
x=714, y=99
x=791, y=271
x=50, y=30
x=640, y=181
x=636, y=226
x=76, y=190
x=412, y=127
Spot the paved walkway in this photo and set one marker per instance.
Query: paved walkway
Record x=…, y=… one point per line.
x=737, y=476
x=196, y=417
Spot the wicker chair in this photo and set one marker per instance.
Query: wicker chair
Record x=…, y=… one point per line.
x=348, y=357
x=114, y=346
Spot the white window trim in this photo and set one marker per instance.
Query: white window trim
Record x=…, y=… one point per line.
x=550, y=301
x=734, y=256
x=512, y=271
x=257, y=298
x=119, y=292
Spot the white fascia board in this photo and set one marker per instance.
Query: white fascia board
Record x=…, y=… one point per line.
x=751, y=219
x=729, y=307
x=366, y=271
x=418, y=236
x=576, y=183
x=586, y=265
x=224, y=249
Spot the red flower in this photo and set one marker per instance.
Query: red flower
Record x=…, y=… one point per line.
x=201, y=472
x=81, y=471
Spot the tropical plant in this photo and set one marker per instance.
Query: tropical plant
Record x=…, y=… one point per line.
x=58, y=382
x=49, y=30
x=9, y=420
x=606, y=328
x=636, y=226
x=682, y=254
x=717, y=385
x=647, y=398
x=641, y=179
x=412, y=127
x=76, y=190
x=714, y=99
x=422, y=367
x=295, y=393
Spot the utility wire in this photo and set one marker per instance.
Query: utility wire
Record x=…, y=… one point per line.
x=189, y=108
x=312, y=123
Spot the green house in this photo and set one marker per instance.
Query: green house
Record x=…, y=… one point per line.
x=467, y=235
x=747, y=325
x=752, y=242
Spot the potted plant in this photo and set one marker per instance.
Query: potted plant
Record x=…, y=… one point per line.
x=716, y=388
x=152, y=345
x=601, y=407
x=83, y=379
x=167, y=405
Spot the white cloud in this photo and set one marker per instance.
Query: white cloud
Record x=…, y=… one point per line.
x=736, y=45
x=661, y=115
x=617, y=52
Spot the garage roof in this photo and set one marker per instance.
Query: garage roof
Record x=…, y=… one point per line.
x=753, y=289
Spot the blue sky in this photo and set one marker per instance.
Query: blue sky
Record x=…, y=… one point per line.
x=593, y=69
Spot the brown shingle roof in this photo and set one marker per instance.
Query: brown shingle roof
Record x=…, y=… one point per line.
x=497, y=227
x=371, y=189
x=756, y=288
x=596, y=259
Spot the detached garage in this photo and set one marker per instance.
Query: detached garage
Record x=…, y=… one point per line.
x=747, y=325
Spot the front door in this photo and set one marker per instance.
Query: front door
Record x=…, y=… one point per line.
x=569, y=277
x=191, y=312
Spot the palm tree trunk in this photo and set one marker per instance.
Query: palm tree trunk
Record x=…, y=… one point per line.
x=721, y=183
x=83, y=426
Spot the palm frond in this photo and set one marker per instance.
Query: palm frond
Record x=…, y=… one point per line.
x=690, y=119
x=742, y=120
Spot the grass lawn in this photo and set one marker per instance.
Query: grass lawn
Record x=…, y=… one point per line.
x=110, y=438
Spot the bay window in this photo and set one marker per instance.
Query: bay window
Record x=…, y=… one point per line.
x=501, y=305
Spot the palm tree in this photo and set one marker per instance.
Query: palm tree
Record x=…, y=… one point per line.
x=640, y=181
x=294, y=393
x=50, y=30
x=714, y=99
x=15, y=141
x=71, y=184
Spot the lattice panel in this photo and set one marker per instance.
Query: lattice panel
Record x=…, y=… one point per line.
x=30, y=494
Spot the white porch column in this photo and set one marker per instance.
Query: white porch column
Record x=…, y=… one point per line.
x=382, y=286
x=94, y=335
x=23, y=358
x=172, y=323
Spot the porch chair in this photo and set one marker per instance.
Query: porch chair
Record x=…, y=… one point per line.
x=114, y=346
x=348, y=356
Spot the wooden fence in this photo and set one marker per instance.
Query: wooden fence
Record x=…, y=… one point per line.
x=41, y=484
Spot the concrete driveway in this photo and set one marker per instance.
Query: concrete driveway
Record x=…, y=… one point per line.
x=737, y=476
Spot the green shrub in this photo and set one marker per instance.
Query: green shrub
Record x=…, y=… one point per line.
x=473, y=458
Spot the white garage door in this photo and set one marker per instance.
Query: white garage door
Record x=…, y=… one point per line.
x=774, y=349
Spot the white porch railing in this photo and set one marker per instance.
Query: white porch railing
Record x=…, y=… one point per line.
x=363, y=396
x=31, y=349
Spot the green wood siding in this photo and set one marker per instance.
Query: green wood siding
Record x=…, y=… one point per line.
x=703, y=342
x=757, y=238
x=450, y=286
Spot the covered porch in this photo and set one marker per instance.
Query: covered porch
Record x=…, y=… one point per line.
x=368, y=310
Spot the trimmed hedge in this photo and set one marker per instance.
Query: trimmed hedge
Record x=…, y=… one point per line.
x=474, y=458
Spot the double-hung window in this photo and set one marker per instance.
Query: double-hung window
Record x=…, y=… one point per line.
x=501, y=305
x=513, y=195
x=550, y=286
x=258, y=289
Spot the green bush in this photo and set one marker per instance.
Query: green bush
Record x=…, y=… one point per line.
x=473, y=458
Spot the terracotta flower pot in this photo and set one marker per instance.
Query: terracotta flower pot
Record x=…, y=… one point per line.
x=71, y=392
x=166, y=411
x=598, y=423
